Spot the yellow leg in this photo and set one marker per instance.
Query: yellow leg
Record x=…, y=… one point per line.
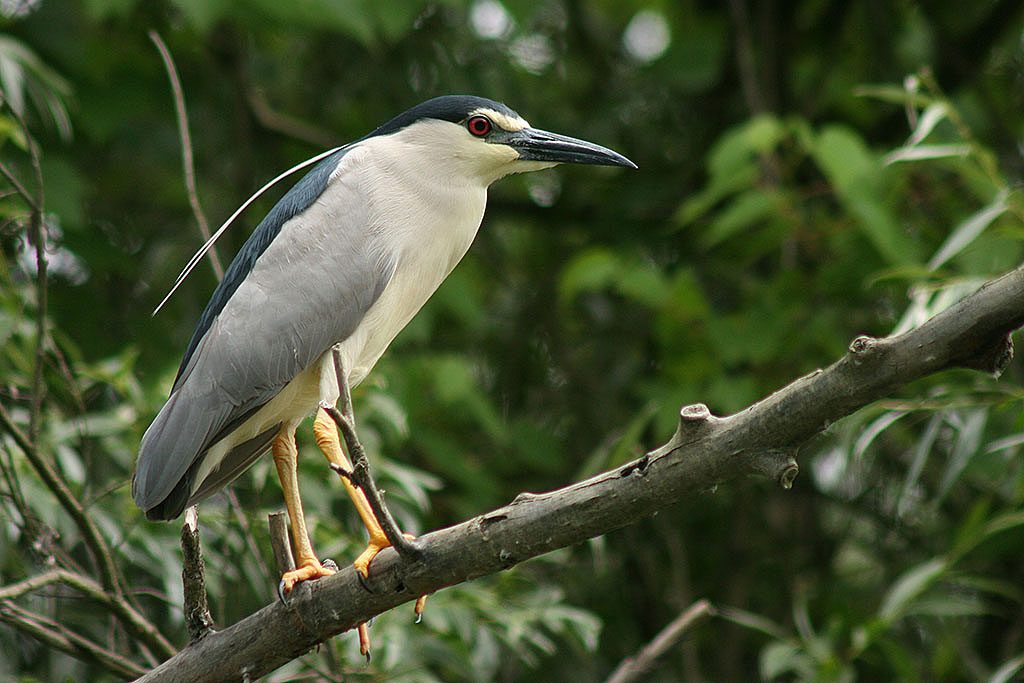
x=326, y=433
x=307, y=566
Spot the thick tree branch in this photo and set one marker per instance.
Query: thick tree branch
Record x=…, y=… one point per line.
x=704, y=451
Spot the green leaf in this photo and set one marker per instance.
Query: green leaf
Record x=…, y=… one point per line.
x=739, y=146
x=745, y=211
x=910, y=586
x=781, y=658
x=968, y=231
x=930, y=117
x=923, y=152
x=588, y=271
x=968, y=443
x=860, y=182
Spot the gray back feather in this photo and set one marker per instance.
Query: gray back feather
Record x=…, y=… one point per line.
x=307, y=289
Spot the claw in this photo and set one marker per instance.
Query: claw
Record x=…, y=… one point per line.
x=421, y=602
x=363, y=582
x=280, y=591
x=364, y=640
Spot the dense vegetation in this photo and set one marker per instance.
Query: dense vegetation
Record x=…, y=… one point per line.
x=809, y=171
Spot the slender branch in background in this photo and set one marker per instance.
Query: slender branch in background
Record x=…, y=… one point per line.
x=193, y=579
x=186, y=150
x=138, y=625
x=64, y=639
x=633, y=668
x=37, y=237
x=745, y=62
x=293, y=127
x=250, y=540
x=19, y=189
x=37, y=233
x=55, y=483
x=360, y=475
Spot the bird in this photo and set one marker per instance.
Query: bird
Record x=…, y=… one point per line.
x=342, y=262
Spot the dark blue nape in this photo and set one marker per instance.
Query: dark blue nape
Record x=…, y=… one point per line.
x=452, y=108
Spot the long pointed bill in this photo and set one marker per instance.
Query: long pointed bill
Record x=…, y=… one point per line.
x=540, y=145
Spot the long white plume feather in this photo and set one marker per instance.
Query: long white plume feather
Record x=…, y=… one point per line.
x=194, y=261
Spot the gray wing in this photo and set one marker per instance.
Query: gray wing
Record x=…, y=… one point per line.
x=307, y=288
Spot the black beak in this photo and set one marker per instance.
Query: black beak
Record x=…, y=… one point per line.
x=540, y=145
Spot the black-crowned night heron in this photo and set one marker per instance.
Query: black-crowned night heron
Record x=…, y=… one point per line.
x=346, y=257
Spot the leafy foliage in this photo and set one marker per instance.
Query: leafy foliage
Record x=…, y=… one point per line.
x=803, y=179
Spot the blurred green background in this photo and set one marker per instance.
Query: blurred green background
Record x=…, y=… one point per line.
x=809, y=171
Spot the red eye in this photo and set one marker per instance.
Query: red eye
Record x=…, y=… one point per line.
x=479, y=125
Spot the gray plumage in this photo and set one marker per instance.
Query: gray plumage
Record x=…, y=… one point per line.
x=229, y=371
x=347, y=256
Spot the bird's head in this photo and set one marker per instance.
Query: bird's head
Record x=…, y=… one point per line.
x=486, y=139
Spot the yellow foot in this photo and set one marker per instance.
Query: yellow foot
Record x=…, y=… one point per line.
x=373, y=548
x=362, y=563
x=311, y=569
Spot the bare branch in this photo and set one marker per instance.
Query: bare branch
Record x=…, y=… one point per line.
x=37, y=237
x=633, y=668
x=19, y=189
x=271, y=119
x=360, y=474
x=250, y=540
x=137, y=623
x=280, y=541
x=61, y=638
x=98, y=546
x=704, y=451
x=186, y=150
x=193, y=579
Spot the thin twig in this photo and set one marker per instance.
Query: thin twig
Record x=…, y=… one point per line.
x=745, y=61
x=291, y=126
x=186, y=150
x=193, y=579
x=134, y=620
x=247, y=536
x=61, y=638
x=110, y=577
x=18, y=187
x=53, y=480
x=360, y=474
x=37, y=236
x=633, y=668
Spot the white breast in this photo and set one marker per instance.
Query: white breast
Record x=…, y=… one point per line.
x=426, y=217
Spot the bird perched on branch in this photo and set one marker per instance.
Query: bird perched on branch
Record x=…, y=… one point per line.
x=345, y=259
